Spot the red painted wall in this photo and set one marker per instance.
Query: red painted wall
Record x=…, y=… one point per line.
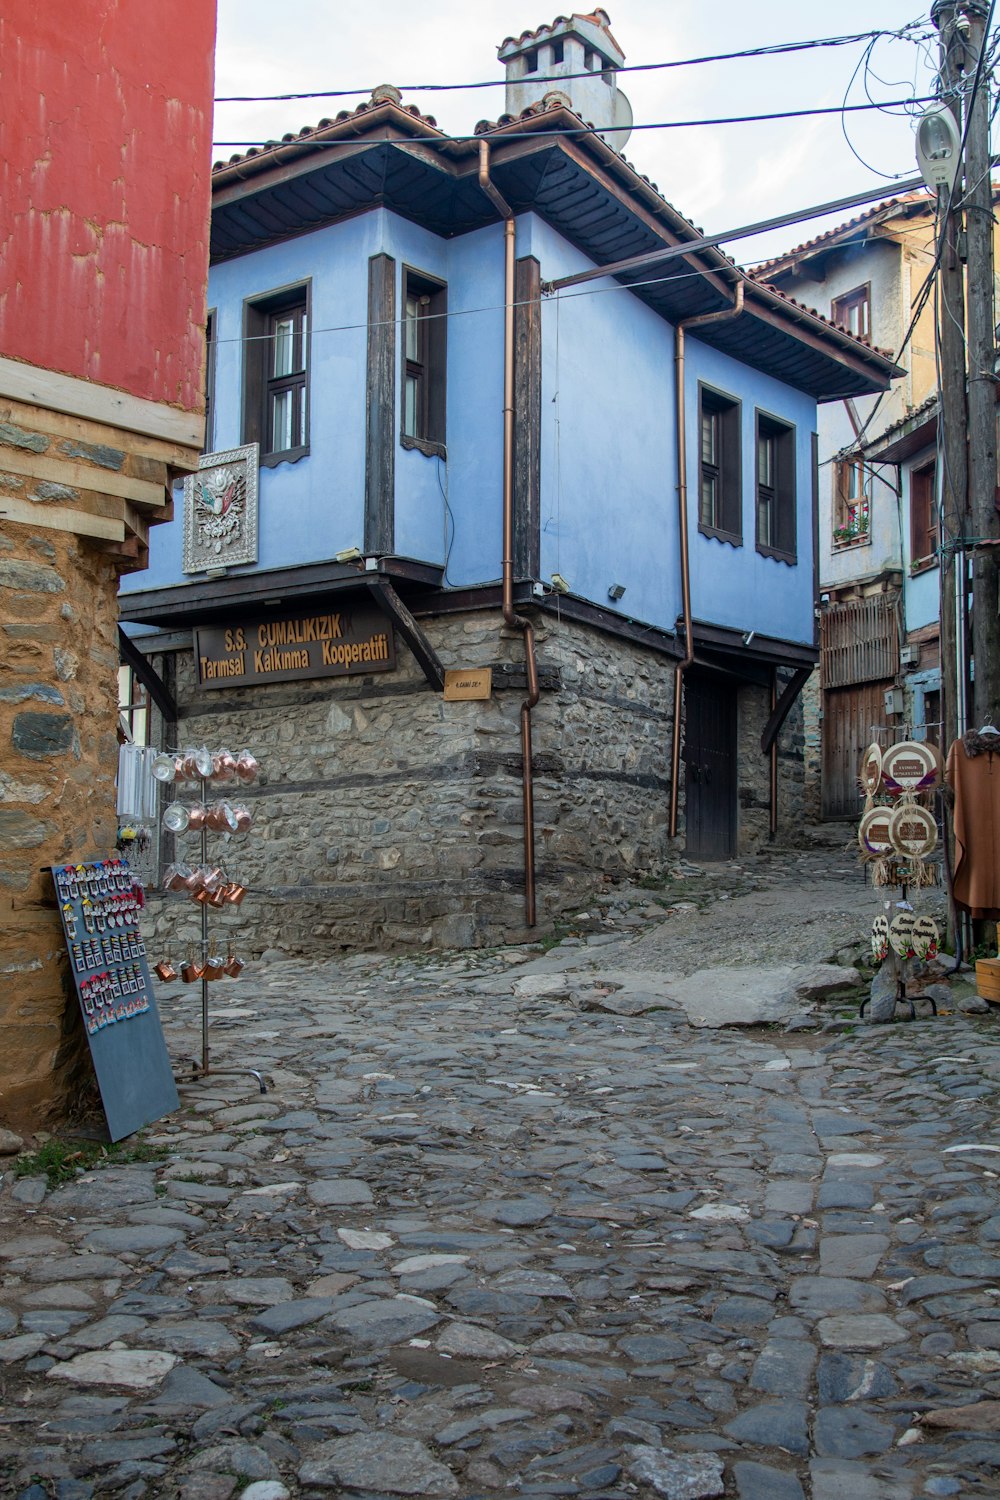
x=105, y=154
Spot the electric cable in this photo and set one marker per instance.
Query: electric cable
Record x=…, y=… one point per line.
x=776, y=49
x=588, y=130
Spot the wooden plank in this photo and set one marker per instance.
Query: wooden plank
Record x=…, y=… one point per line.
x=380, y=432
x=83, y=430
x=79, y=476
x=527, y=416
x=85, y=398
x=61, y=518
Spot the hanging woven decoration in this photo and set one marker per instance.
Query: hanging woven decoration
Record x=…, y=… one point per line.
x=925, y=938
x=870, y=778
x=910, y=767
x=913, y=833
x=880, y=938
x=901, y=933
x=875, y=839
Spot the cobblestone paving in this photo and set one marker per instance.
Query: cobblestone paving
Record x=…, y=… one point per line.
x=483, y=1236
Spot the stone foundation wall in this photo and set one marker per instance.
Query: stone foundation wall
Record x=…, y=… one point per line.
x=386, y=816
x=58, y=716
x=812, y=730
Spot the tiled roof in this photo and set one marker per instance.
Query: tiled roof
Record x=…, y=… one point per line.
x=326, y=124
x=598, y=18
x=820, y=317
x=809, y=247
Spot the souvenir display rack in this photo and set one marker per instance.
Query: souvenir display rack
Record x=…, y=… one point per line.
x=897, y=834
x=99, y=902
x=213, y=772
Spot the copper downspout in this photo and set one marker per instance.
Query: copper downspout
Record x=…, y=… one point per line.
x=511, y=619
x=682, y=510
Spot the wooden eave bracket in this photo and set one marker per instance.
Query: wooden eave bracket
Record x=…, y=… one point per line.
x=783, y=707
x=148, y=676
x=388, y=600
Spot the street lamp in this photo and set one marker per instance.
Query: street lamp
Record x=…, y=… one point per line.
x=938, y=147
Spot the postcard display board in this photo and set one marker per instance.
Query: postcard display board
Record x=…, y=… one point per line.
x=99, y=903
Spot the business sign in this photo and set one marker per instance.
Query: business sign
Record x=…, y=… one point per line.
x=347, y=642
x=468, y=683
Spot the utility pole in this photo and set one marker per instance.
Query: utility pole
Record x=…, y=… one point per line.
x=953, y=419
x=982, y=383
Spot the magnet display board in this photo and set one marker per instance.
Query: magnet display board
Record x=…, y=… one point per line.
x=99, y=904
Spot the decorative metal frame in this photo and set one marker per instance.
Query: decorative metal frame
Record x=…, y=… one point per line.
x=220, y=510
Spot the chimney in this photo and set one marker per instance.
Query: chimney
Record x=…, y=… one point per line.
x=540, y=62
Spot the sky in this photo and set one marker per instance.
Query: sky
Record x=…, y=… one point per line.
x=719, y=176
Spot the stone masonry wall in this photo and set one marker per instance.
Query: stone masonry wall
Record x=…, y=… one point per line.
x=386, y=816
x=58, y=715
x=754, y=771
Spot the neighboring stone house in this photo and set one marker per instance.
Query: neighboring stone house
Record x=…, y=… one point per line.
x=878, y=566
x=102, y=312
x=434, y=479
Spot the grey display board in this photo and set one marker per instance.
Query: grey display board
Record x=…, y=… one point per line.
x=99, y=903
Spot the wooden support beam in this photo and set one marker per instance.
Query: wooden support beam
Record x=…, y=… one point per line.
x=390, y=603
x=783, y=707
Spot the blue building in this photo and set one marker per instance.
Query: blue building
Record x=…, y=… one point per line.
x=583, y=489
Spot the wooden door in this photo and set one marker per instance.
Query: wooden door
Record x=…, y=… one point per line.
x=710, y=766
x=849, y=714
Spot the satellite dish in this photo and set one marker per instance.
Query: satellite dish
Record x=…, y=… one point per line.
x=938, y=148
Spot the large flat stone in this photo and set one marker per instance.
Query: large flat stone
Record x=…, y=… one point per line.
x=756, y=997
x=131, y=1369
x=378, y=1463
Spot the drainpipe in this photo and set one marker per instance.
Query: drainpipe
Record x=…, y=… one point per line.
x=511, y=619
x=682, y=510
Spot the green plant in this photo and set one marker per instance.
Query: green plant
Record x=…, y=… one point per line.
x=61, y=1161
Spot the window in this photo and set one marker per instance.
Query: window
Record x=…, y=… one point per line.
x=531, y=61
x=276, y=395
x=133, y=707
x=854, y=312
x=719, y=478
x=210, y=383
x=557, y=51
x=852, y=512
x=923, y=517
x=425, y=344
x=775, y=488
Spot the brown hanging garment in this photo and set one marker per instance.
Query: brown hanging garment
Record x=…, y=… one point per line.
x=973, y=772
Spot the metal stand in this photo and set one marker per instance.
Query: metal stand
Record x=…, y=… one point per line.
x=203, y=1069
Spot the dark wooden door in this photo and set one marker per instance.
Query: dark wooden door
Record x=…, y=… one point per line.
x=849, y=717
x=710, y=766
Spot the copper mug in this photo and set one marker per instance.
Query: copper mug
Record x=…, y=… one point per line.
x=233, y=967
x=244, y=817
x=234, y=893
x=215, y=966
x=192, y=971
x=197, y=816
x=165, y=969
x=217, y=898
x=175, y=877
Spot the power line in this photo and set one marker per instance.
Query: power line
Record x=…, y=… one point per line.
x=775, y=50
x=589, y=130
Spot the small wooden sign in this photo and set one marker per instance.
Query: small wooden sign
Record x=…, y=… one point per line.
x=468, y=682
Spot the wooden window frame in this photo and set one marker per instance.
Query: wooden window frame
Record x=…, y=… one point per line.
x=428, y=367
x=842, y=307
x=727, y=522
x=259, y=386
x=853, y=533
x=210, y=340
x=780, y=494
x=923, y=537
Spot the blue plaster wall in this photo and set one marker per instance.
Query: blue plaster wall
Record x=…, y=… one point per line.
x=608, y=455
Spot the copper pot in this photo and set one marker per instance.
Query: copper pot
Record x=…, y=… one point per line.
x=188, y=766
x=233, y=966
x=247, y=766
x=197, y=816
x=223, y=766
x=175, y=877
x=215, y=966
x=165, y=969
x=192, y=971
x=244, y=818
x=234, y=893
x=215, y=817
x=217, y=898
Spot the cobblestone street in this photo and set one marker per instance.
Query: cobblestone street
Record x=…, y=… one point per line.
x=505, y=1225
